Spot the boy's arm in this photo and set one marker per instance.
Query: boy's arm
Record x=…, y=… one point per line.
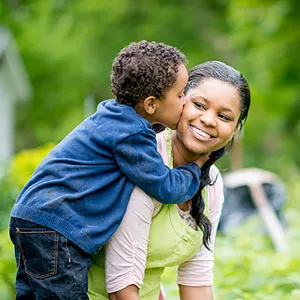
x=139, y=160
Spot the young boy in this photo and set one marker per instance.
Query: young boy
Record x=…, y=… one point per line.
x=78, y=195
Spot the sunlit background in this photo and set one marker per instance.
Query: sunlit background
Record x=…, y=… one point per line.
x=55, y=62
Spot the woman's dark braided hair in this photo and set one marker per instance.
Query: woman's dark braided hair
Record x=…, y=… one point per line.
x=220, y=71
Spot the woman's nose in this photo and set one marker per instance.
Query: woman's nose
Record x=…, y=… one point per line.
x=208, y=119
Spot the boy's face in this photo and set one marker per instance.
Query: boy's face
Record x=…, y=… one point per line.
x=170, y=107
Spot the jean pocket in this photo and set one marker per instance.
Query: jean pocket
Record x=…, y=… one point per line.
x=39, y=250
x=17, y=252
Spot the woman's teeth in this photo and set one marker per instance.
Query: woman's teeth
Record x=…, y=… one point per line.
x=202, y=133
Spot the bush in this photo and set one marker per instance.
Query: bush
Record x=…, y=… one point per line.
x=248, y=268
x=20, y=170
x=7, y=267
x=24, y=164
x=246, y=265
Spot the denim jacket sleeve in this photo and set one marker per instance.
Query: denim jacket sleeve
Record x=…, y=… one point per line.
x=140, y=161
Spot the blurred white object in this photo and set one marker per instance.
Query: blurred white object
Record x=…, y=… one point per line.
x=254, y=179
x=14, y=86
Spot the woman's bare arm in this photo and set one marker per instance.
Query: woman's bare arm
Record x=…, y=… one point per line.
x=195, y=292
x=130, y=292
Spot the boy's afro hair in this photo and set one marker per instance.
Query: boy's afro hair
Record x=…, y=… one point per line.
x=144, y=69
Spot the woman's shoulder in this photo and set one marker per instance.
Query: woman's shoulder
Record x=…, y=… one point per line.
x=160, y=139
x=162, y=146
x=215, y=176
x=214, y=171
x=215, y=189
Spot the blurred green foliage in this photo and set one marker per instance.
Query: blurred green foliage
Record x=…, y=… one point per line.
x=248, y=268
x=68, y=48
x=19, y=172
x=7, y=267
x=246, y=265
x=24, y=164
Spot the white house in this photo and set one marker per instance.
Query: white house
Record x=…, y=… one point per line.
x=14, y=87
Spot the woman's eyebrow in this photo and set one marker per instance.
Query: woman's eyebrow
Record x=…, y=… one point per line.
x=222, y=108
x=200, y=98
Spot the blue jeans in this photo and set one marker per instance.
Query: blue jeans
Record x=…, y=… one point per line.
x=49, y=265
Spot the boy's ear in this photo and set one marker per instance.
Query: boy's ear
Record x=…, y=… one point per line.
x=150, y=105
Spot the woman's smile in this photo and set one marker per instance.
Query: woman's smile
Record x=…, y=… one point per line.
x=209, y=118
x=201, y=134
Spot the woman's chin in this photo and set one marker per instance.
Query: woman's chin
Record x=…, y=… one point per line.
x=197, y=149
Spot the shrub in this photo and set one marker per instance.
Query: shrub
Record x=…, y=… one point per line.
x=20, y=170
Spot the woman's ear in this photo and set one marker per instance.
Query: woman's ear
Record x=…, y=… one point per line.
x=150, y=105
x=236, y=131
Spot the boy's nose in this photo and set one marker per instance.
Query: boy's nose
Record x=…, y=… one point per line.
x=183, y=100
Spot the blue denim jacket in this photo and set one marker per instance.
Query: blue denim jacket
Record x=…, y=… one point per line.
x=82, y=188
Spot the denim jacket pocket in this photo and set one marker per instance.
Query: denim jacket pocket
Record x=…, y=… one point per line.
x=39, y=250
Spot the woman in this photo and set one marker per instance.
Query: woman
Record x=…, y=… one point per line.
x=153, y=236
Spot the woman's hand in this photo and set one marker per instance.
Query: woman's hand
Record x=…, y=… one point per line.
x=131, y=292
x=195, y=292
x=202, y=159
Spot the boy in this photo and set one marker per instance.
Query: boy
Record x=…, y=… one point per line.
x=78, y=195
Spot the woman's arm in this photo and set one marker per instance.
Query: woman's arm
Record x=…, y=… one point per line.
x=130, y=292
x=195, y=292
x=125, y=275
x=196, y=274
x=126, y=252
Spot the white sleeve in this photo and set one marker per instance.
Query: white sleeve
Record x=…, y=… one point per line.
x=198, y=271
x=126, y=252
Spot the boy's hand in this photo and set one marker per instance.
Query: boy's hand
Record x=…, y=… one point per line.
x=202, y=159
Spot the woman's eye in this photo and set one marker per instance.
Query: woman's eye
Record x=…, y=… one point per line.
x=224, y=117
x=199, y=105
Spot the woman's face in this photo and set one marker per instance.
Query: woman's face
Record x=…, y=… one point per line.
x=209, y=118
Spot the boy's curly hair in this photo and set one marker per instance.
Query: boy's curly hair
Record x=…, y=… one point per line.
x=144, y=69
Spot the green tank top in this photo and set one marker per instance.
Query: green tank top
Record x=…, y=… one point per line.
x=171, y=242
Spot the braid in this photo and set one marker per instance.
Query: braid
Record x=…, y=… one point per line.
x=198, y=204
